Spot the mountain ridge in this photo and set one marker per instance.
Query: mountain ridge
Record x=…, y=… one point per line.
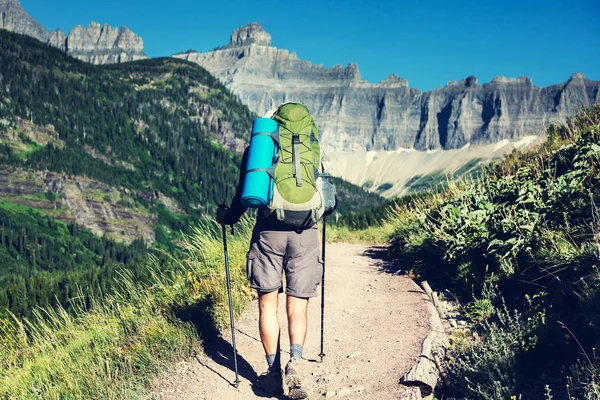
x=95, y=44
x=355, y=115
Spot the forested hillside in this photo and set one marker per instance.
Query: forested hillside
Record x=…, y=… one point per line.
x=44, y=261
x=138, y=118
x=354, y=200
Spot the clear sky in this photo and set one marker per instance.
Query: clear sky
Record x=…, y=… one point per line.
x=426, y=42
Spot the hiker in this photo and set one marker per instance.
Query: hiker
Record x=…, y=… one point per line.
x=284, y=243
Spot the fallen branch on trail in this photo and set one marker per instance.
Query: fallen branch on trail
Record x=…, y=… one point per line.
x=427, y=371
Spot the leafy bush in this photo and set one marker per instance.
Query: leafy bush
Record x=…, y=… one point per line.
x=489, y=368
x=479, y=310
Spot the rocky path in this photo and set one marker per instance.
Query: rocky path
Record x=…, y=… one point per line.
x=374, y=325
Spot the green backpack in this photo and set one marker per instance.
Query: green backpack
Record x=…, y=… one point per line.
x=303, y=192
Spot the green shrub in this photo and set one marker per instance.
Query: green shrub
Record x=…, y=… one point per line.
x=489, y=368
x=479, y=311
x=529, y=229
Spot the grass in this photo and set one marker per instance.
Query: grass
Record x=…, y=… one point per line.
x=32, y=148
x=373, y=235
x=115, y=349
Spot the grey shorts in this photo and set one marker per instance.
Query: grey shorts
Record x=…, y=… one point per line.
x=297, y=253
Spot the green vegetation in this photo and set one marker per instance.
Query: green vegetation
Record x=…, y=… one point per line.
x=352, y=203
x=46, y=262
x=521, y=246
x=140, y=113
x=115, y=346
x=386, y=186
x=354, y=199
x=471, y=168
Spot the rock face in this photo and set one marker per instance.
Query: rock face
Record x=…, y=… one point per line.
x=249, y=34
x=95, y=44
x=14, y=18
x=104, y=44
x=355, y=115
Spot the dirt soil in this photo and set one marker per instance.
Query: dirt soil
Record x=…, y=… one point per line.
x=375, y=322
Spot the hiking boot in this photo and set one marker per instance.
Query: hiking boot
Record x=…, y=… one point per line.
x=271, y=382
x=294, y=385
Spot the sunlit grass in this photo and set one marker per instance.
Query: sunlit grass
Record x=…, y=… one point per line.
x=114, y=349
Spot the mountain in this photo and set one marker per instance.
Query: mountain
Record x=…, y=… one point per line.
x=126, y=150
x=98, y=163
x=355, y=115
x=95, y=44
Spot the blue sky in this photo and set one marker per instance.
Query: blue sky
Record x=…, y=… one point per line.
x=426, y=42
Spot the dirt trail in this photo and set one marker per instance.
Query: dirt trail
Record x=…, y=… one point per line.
x=374, y=325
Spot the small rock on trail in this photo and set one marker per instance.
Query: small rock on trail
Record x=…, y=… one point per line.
x=371, y=338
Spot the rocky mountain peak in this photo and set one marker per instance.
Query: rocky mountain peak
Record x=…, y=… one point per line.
x=523, y=80
x=252, y=33
x=469, y=82
x=355, y=115
x=96, y=44
x=352, y=72
x=393, y=81
x=577, y=76
x=99, y=44
x=15, y=19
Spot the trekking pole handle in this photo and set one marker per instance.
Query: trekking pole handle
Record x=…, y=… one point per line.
x=226, y=207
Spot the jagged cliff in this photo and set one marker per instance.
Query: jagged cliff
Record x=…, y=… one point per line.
x=98, y=44
x=356, y=115
x=95, y=44
x=14, y=18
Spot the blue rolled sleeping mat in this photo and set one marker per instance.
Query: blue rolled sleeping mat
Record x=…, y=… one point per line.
x=258, y=182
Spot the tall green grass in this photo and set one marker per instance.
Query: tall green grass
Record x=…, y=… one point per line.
x=372, y=235
x=114, y=349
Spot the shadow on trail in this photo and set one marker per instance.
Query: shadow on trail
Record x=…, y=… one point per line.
x=384, y=260
x=216, y=347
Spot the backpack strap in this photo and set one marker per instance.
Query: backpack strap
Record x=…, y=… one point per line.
x=274, y=135
x=270, y=171
x=296, y=158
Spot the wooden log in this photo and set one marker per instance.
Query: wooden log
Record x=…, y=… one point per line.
x=434, y=299
x=425, y=374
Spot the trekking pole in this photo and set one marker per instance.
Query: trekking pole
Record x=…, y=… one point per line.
x=323, y=289
x=231, y=321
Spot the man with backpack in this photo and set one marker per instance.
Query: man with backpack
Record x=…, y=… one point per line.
x=286, y=240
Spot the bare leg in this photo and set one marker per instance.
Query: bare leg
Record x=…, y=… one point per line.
x=268, y=323
x=297, y=313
